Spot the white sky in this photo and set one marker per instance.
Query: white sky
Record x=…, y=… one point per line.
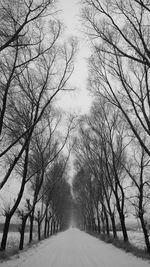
x=79, y=101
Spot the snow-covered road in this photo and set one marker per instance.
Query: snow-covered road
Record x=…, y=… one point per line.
x=74, y=248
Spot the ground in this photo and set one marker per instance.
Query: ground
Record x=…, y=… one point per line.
x=74, y=248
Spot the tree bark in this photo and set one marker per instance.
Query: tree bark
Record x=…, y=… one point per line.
x=45, y=224
x=48, y=228
x=5, y=232
x=39, y=230
x=22, y=231
x=146, y=236
x=113, y=225
x=31, y=226
x=98, y=221
x=122, y=219
x=107, y=222
x=123, y=226
x=54, y=227
x=103, y=223
x=51, y=227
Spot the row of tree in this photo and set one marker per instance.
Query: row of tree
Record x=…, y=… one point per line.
x=113, y=148
x=35, y=66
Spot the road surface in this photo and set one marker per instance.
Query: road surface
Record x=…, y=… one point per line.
x=74, y=248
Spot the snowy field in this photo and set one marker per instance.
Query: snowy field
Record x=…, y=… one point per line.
x=135, y=238
x=13, y=239
x=74, y=248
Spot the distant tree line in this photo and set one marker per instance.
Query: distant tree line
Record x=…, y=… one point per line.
x=35, y=66
x=113, y=148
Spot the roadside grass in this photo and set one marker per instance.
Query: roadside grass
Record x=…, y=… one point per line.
x=6, y=255
x=14, y=251
x=126, y=246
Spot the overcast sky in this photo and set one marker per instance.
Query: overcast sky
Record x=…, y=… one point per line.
x=70, y=15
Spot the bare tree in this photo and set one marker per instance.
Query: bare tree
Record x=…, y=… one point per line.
x=34, y=85
x=120, y=64
x=25, y=115
x=21, y=42
x=137, y=168
x=23, y=214
x=102, y=148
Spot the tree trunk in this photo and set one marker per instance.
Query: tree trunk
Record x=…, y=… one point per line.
x=98, y=222
x=45, y=225
x=54, y=227
x=39, y=230
x=5, y=232
x=107, y=223
x=51, y=227
x=48, y=228
x=123, y=226
x=90, y=224
x=103, y=223
x=146, y=236
x=93, y=225
x=85, y=224
x=113, y=225
x=122, y=220
x=23, y=225
x=45, y=228
x=31, y=226
x=57, y=227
